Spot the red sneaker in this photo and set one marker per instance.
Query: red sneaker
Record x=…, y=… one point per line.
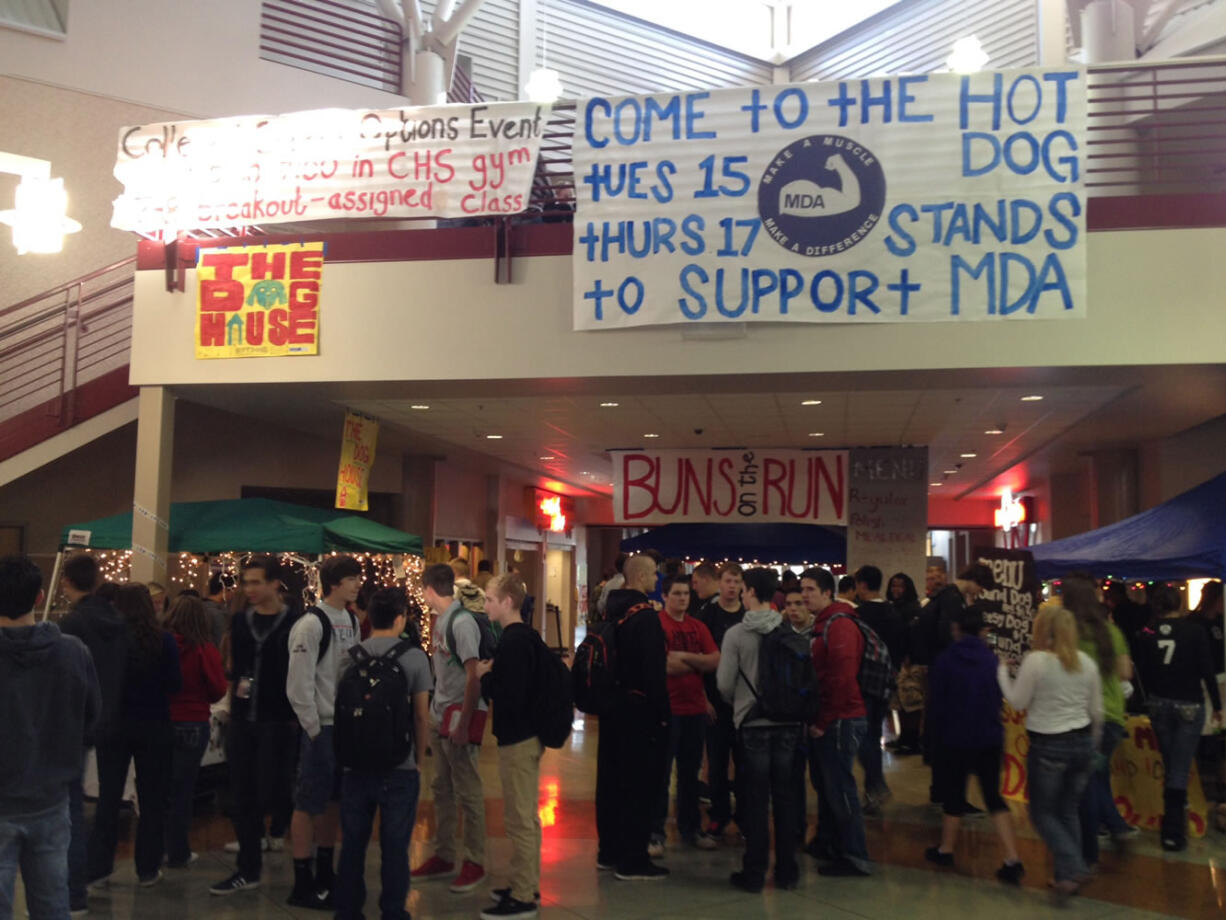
x=471, y=875
x=432, y=868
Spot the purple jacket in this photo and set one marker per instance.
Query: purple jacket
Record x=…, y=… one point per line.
x=964, y=698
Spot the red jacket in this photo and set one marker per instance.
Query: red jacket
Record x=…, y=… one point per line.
x=837, y=666
x=204, y=682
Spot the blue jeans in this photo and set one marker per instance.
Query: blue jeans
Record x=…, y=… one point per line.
x=870, y=749
x=1058, y=770
x=839, y=801
x=684, y=749
x=1177, y=726
x=38, y=845
x=1098, y=801
x=394, y=793
x=768, y=756
x=191, y=739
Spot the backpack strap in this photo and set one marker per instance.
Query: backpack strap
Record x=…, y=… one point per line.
x=359, y=654
x=455, y=659
x=635, y=609
x=325, y=623
x=398, y=649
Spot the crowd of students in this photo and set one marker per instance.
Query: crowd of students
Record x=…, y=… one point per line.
x=787, y=684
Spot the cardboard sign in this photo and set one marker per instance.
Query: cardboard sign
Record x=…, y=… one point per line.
x=922, y=198
x=357, y=457
x=431, y=161
x=258, y=301
x=887, y=510
x=1012, y=602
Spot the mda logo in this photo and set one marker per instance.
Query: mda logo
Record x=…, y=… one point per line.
x=821, y=195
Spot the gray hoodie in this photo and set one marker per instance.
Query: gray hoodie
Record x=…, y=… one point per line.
x=311, y=681
x=738, y=659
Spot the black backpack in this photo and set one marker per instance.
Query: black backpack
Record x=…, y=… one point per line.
x=787, y=683
x=326, y=622
x=594, y=674
x=489, y=639
x=555, y=708
x=876, y=675
x=373, y=721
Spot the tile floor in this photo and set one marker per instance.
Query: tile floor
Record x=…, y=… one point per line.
x=1141, y=883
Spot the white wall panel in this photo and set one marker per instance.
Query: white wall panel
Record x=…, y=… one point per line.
x=917, y=36
x=599, y=53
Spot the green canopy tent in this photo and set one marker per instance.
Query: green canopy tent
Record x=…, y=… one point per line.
x=255, y=525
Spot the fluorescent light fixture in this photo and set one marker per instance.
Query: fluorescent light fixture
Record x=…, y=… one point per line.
x=999, y=429
x=650, y=435
x=419, y=407
x=949, y=472
x=40, y=220
x=810, y=402
x=968, y=456
x=817, y=434
x=935, y=484
x=609, y=405
x=547, y=458
x=1032, y=398
x=493, y=437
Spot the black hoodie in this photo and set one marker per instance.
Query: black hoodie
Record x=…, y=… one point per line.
x=642, y=654
x=98, y=624
x=49, y=706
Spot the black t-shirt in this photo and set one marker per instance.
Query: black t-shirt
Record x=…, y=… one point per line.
x=885, y=620
x=718, y=621
x=1216, y=648
x=1175, y=661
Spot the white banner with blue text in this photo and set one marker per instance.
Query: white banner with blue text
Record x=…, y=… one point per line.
x=943, y=197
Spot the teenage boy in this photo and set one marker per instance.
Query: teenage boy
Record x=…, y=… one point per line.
x=394, y=792
x=800, y=618
x=630, y=757
x=884, y=619
x=721, y=613
x=96, y=623
x=49, y=705
x=838, y=647
x=768, y=748
x=691, y=654
x=704, y=585
x=508, y=681
x=314, y=667
x=263, y=731
x=457, y=784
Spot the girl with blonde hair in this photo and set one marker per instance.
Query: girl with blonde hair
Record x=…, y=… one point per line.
x=1060, y=689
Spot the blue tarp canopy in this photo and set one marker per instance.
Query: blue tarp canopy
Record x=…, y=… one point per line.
x=1181, y=538
x=791, y=544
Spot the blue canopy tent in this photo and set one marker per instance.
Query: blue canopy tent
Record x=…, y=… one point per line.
x=788, y=544
x=1181, y=538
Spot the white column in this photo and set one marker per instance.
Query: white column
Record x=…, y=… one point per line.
x=155, y=437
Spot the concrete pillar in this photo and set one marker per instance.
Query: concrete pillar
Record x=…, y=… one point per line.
x=1108, y=32
x=1113, y=486
x=495, y=536
x=1053, y=44
x=155, y=442
x=419, y=503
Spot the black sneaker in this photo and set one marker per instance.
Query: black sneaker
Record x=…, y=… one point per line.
x=1011, y=873
x=499, y=893
x=236, y=882
x=745, y=883
x=311, y=900
x=509, y=907
x=934, y=854
x=843, y=868
x=648, y=873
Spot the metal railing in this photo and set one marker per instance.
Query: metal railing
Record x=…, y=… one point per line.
x=54, y=342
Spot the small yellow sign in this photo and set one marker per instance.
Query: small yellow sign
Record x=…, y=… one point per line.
x=258, y=301
x=357, y=457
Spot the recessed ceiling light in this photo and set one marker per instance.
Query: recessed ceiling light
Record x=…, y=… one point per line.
x=817, y=434
x=968, y=456
x=609, y=405
x=585, y=473
x=493, y=437
x=949, y=472
x=810, y=402
x=935, y=484
x=995, y=431
x=419, y=406
x=1031, y=398
x=547, y=458
x=651, y=435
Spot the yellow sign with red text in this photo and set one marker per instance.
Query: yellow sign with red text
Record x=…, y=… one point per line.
x=357, y=457
x=1136, y=774
x=258, y=301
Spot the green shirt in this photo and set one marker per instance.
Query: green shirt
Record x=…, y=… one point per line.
x=1113, y=691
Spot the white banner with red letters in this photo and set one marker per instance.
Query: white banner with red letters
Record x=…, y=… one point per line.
x=732, y=486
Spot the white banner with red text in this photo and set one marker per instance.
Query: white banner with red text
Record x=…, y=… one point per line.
x=446, y=161
x=731, y=486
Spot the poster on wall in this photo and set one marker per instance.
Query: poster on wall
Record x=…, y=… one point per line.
x=258, y=301
x=357, y=457
x=431, y=161
x=1012, y=601
x=887, y=510
x=921, y=198
x=742, y=486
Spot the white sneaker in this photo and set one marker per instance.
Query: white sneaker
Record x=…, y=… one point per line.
x=655, y=849
x=274, y=844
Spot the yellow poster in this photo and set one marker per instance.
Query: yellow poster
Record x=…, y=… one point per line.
x=1136, y=774
x=357, y=457
x=258, y=301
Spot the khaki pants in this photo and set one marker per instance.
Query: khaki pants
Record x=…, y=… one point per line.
x=457, y=782
x=519, y=765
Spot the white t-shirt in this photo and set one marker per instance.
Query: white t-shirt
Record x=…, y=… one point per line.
x=1055, y=700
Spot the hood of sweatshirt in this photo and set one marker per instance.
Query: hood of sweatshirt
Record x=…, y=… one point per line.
x=971, y=650
x=24, y=647
x=762, y=621
x=100, y=618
